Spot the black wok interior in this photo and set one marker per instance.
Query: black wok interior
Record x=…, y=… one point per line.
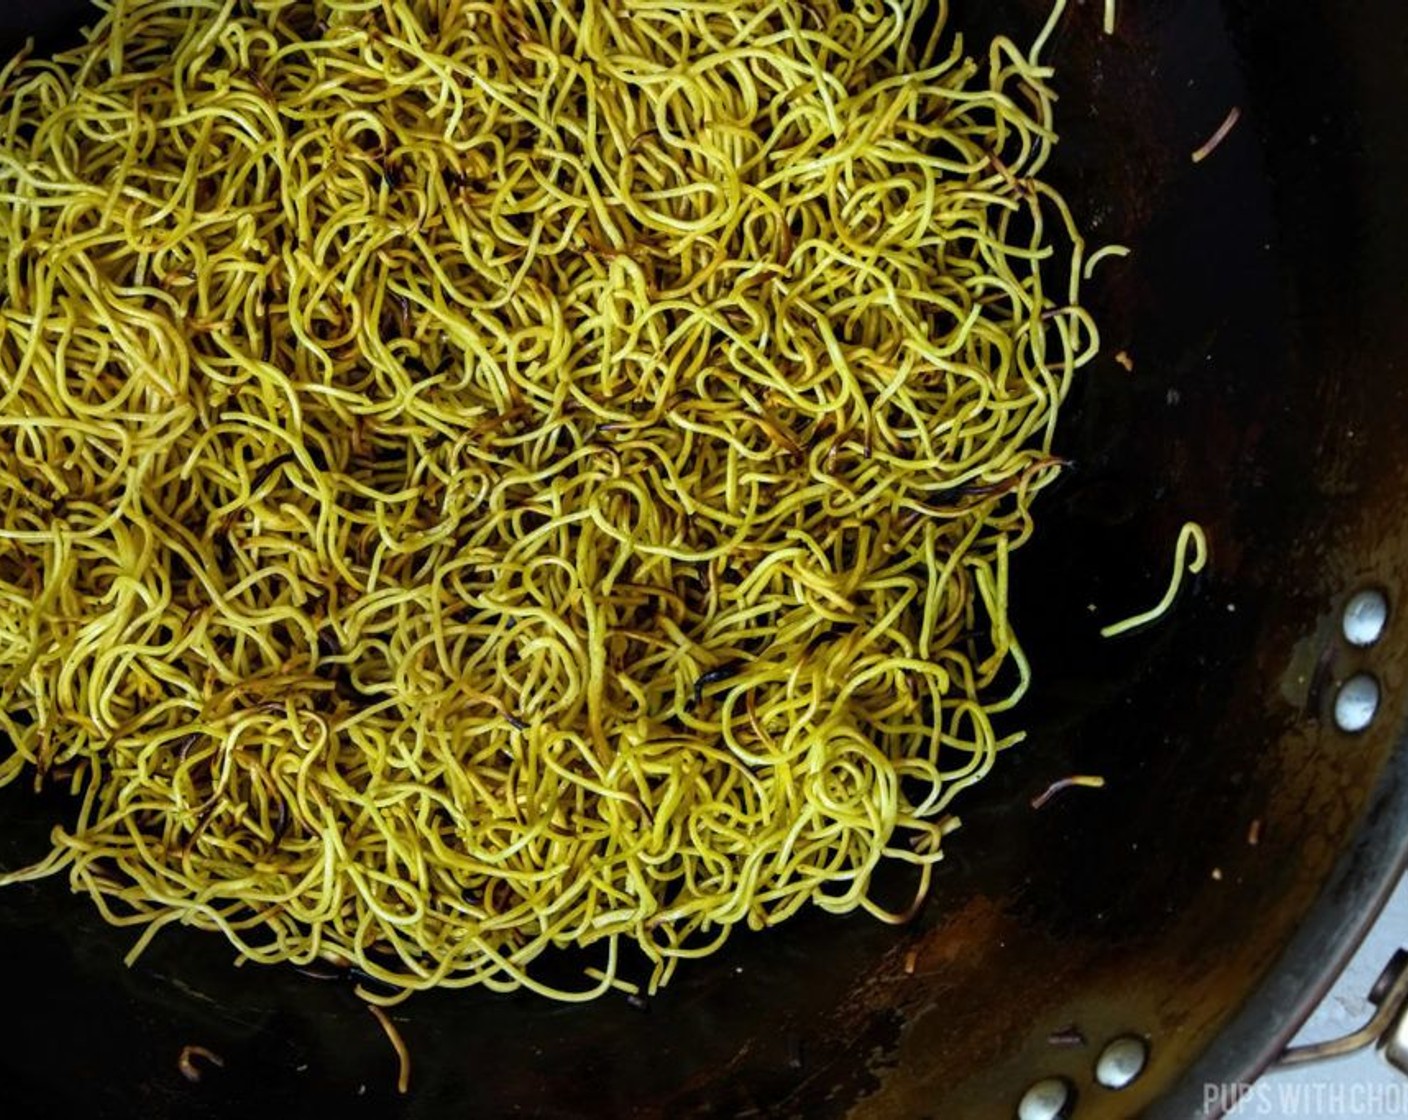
x=1264, y=309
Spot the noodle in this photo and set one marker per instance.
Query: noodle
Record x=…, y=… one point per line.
x=481, y=478
x=1101, y=254
x=1191, y=532
x=1082, y=781
x=190, y=1069
x=1214, y=141
x=403, y=1055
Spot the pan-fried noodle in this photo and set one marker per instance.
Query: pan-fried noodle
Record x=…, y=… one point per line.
x=488, y=475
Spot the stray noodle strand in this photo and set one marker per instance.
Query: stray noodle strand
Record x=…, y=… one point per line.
x=403, y=1055
x=1190, y=534
x=1213, y=141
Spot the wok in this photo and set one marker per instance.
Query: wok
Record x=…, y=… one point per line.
x=1266, y=311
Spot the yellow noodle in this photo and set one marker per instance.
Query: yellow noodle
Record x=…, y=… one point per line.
x=1190, y=534
x=403, y=1056
x=1101, y=254
x=1214, y=141
x=486, y=477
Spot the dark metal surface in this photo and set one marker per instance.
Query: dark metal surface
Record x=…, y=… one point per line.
x=1266, y=311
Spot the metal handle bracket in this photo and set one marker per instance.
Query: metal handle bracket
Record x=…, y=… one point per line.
x=1387, y=1027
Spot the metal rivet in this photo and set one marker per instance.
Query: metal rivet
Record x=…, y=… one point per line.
x=1121, y=1062
x=1052, y=1098
x=1365, y=616
x=1357, y=702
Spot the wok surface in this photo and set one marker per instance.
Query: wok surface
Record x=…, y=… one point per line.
x=1264, y=310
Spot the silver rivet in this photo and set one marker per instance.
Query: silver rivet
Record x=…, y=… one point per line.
x=1049, y=1099
x=1365, y=616
x=1121, y=1062
x=1357, y=702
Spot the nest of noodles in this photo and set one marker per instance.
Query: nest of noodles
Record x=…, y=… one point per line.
x=480, y=477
